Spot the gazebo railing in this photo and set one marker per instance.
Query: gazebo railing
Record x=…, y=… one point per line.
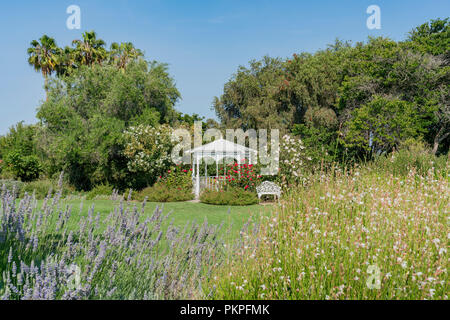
x=211, y=182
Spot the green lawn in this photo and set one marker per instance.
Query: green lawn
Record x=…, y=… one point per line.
x=181, y=213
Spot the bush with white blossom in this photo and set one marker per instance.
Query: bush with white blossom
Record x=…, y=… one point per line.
x=293, y=161
x=148, y=149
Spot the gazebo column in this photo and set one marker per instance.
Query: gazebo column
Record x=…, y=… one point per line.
x=197, y=175
x=217, y=167
x=193, y=172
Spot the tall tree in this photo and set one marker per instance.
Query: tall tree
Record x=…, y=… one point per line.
x=122, y=54
x=43, y=56
x=432, y=37
x=66, y=62
x=87, y=112
x=89, y=50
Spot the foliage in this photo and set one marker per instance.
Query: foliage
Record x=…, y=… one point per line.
x=45, y=188
x=43, y=56
x=148, y=150
x=234, y=196
x=412, y=155
x=244, y=176
x=87, y=113
x=161, y=192
x=89, y=50
x=384, y=68
x=319, y=96
x=46, y=56
x=294, y=163
x=248, y=99
x=100, y=190
x=20, y=138
x=432, y=37
x=11, y=185
x=382, y=124
x=325, y=142
x=26, y=168
x=178, y=178
x=175, y=185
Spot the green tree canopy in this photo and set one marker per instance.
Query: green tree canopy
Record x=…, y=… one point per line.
x=321, y=96
x=88, y=111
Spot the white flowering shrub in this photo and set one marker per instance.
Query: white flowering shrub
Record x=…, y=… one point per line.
x=148, y=149
x=293, y=161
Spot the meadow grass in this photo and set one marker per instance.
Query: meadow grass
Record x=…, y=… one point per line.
x=362, y=234
x=232, y=218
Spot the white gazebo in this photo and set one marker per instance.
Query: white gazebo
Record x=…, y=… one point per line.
x=217, y=150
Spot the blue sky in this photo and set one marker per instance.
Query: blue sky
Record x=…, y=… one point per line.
x=203, y=42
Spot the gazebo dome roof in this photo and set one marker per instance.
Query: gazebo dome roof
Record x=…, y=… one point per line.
x=221, y=146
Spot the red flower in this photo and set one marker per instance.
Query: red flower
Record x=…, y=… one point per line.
x=246, y=187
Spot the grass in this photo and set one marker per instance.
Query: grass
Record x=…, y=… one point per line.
x=181, y=213
x=364, y=234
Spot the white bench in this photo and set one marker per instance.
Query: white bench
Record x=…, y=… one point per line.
x=268, y=187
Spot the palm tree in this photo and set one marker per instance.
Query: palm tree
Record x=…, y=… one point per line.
x=121, y=55
x=43, y=56
x=90, y=50
x=66, y=62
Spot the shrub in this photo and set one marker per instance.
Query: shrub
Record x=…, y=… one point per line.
x=243, y=176
x=230, y=197
x=175, y=186
x=43, y=188
x=100, y=190
x=161, y=192
x=25, y=168
x=178, y=178
x=10, y=184
x=412, y=155
x=148, y=150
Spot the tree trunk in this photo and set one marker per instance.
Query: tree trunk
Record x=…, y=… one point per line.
x=438, y=139
x=46, y=87
x=435, y=146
